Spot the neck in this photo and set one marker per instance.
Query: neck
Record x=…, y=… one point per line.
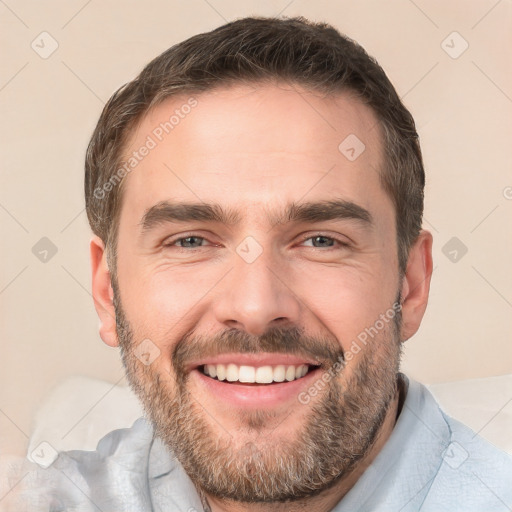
x=327, y=500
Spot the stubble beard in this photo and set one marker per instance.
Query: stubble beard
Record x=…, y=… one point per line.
x=254, y=464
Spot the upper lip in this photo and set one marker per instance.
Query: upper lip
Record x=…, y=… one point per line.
x=261, y=359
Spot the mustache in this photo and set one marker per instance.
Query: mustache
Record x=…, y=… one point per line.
x=326, y=350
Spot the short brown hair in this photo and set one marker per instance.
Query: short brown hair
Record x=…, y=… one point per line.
x=258, y=50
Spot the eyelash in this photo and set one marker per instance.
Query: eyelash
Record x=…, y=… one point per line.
x=343, y=244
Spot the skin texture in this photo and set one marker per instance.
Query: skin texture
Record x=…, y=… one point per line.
x=253, y=150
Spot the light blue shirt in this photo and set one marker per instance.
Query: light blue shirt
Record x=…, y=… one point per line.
x=430, y=463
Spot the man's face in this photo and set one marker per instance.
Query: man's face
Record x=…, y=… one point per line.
x=270, y=286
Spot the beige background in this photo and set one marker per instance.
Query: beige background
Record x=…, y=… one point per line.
x=49, y=107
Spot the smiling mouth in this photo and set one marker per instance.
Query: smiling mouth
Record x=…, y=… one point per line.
x=256, y=376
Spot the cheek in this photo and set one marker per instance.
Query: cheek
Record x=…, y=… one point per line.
x=346, y=301
x=162, y=301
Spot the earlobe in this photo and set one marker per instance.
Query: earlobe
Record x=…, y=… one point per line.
x=416, y=284
x=102, y=292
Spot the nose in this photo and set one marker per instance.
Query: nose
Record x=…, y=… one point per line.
x=256, y=296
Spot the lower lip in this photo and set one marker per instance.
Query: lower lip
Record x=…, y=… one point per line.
x=265, y=395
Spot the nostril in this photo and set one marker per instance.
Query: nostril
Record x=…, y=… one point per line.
x=283, y=321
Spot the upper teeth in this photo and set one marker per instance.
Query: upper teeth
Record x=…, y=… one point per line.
x=260, y=375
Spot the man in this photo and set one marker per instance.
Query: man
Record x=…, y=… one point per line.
x=256, y=197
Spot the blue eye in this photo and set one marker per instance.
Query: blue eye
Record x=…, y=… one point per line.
x=189, y=242
x=317, y=241
x=324, y=242
x=185, y=242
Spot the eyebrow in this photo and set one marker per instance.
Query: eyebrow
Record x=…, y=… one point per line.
x=310, y=212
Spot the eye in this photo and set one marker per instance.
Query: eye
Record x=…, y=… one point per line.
x=188, y=242
x=322, y=241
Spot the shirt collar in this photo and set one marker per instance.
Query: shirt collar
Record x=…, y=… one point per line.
x=400, y=476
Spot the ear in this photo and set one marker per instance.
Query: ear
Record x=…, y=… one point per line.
x=103, y=293
x=416, y=284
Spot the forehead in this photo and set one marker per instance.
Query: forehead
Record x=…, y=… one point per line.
x=254, y=146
